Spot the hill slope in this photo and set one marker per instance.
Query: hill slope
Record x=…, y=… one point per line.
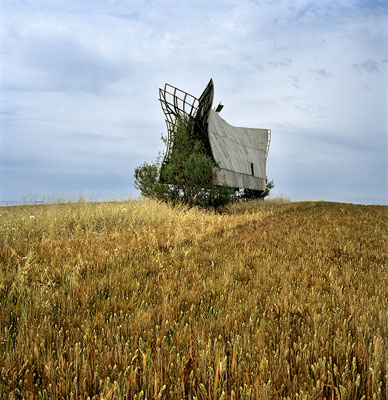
x=268, y=300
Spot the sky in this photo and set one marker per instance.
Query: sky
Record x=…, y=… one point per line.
x=79, y=81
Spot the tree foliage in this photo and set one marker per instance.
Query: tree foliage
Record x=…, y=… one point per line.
x=250, y=194
x=188, y=176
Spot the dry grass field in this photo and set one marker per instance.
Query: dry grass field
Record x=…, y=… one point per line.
x=137, y=300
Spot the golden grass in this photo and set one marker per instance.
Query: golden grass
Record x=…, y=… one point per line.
x=137, y=300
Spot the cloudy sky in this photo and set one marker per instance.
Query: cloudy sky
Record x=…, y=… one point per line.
x=79, y=87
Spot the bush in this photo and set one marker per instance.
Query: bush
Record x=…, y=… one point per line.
x=250, y=194
x=188, y=176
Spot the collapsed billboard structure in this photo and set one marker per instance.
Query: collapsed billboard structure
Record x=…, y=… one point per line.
x=241, y=153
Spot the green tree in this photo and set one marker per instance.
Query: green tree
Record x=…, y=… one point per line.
x=188, y=176
x=268, y=186
x=250, y=194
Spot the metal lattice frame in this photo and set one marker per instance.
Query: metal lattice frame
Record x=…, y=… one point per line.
x=176, y=103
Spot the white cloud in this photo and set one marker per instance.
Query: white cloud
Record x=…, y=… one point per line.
x=320, y=73
x=366, y=66
x=80, y=80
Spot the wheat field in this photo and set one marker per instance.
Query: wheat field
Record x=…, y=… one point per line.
x=138, y=300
